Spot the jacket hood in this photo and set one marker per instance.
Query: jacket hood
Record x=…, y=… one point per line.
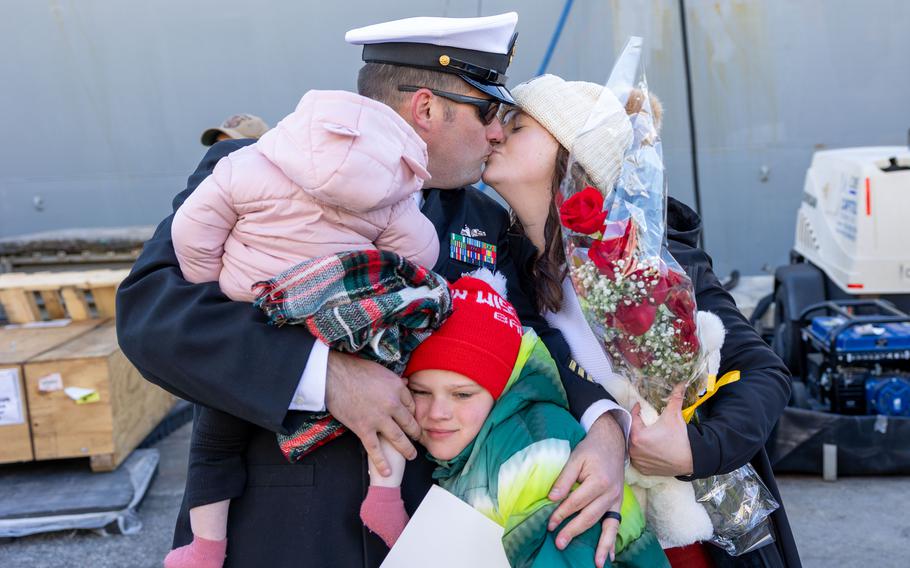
x=683, y=224
x=348, y=151
x=534, y=379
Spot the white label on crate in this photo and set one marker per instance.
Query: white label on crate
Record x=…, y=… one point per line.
x=82, y=395
x=50, y=383
x=10, y=398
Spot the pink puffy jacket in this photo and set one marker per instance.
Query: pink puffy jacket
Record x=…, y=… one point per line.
x=337, y=174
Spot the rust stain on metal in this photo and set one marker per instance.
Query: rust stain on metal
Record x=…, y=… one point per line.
x=734, y=84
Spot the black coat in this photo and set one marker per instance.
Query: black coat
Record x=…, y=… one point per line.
x=737, y=421
x=194, y=342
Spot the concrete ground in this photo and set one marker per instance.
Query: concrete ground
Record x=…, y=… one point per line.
x=851, y=522
x=90, y=549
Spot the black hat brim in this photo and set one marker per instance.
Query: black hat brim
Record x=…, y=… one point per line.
x=498, y=92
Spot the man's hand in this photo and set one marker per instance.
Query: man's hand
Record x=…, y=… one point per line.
x=597, y=463
x=371, y=401
x=663, y=447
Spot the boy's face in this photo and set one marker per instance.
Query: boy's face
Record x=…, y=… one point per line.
x=451, y=409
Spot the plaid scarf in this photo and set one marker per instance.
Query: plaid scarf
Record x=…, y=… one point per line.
x=374, y=303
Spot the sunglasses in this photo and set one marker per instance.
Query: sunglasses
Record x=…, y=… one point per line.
x=486, y=108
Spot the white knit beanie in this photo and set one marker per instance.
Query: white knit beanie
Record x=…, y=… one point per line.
x=562, y=107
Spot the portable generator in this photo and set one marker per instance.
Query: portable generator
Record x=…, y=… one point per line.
x=857, y=355
x=850, y=244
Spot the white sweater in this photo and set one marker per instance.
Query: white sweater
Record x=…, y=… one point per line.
x=587, y=352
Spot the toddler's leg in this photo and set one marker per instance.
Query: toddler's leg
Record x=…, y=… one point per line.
x=209, y=523
x=383, y=510
x=216, y=475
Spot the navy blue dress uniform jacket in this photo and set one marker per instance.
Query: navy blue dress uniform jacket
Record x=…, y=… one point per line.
x=194, y=342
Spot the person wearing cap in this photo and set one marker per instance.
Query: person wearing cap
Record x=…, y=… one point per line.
x=735, y=423
x=336, y=175
x=488, y=394
x=235, y=127
x=446, y=78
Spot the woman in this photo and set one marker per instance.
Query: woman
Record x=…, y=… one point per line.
x=526, y=170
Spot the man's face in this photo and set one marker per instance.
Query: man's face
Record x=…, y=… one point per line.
x=459, y=147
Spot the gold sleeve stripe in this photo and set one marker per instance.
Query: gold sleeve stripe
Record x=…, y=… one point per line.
x=579, y=370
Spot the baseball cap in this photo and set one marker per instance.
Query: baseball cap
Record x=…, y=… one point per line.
x=236, y=126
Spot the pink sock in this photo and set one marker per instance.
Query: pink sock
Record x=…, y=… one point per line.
x=201, y=553
x=383, y=513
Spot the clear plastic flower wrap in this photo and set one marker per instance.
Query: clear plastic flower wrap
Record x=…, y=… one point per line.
x=635, y=296
x=633, y=292
x=739, y=504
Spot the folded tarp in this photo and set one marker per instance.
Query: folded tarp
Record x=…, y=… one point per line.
x=60, y=495
x=866, y=445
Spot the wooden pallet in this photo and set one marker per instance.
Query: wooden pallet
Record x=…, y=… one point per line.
x=29, y=297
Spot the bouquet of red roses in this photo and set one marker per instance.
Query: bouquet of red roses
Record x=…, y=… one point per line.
x=641, y=304
x=634, y=294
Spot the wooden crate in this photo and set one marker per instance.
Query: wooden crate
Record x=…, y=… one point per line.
x=17, y=346
x=107, y=430
x=76, y=295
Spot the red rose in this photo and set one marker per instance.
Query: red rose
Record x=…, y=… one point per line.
x=632, y=353
x=688, y=337
x=675, y=278
x=656, y=291
x=619, y=241
x=602, y=261
x=636, y=318
x=681, y=303
x=660, y=290
x=583, y=212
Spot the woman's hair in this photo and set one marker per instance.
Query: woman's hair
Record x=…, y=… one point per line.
x=549, y=269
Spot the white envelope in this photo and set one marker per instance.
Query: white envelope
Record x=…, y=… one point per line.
x=446, y=532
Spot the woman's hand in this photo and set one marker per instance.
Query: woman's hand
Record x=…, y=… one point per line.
x=663, y=447
x=598, y=464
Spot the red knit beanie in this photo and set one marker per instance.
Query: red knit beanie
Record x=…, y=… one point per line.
x=480, y=340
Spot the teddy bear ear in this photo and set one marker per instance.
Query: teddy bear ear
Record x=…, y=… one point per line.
x=711, y=331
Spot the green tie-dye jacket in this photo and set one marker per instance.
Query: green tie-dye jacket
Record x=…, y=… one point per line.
x=507, y=472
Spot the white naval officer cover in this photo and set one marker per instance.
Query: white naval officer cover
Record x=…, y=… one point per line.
x=489, y=33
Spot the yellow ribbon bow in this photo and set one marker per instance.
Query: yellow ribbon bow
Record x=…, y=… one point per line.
x=713, y=386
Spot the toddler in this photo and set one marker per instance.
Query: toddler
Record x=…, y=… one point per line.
x=338, y=174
